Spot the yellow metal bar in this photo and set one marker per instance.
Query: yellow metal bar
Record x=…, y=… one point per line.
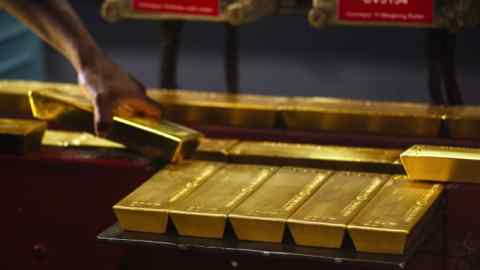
x=59, y=138
x=20, y=136
x=214, y=149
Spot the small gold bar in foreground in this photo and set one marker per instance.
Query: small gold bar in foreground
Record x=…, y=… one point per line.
x=263, y=215
x=159, y=139
x=214, y=149
x=18, y=136
x=396, y=218
x=318, y=156
x=442, y=163
x=342, y=115
x=219, y=109
x=60, y=138
x=322, y=220
x=204, y=212
x=145, y=208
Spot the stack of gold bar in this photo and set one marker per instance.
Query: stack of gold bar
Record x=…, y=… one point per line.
x=219, y=109
x=318, y=156
x=20, y=136
x=159, y=139
x=397, y=218
x=442, y=163
x=322, y=221
x=331, y=114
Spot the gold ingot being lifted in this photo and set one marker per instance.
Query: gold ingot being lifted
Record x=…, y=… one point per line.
x=214, y=149
x=145, y=209
x=341, y=115
x=219, y=109
x=397, y=218
x=59, y=138
x=19, y=136
x=322, y=220
x=442, y=163
x=159, y=139
x=235, y=12
x=204, y=212
x=307, y=155
x=263, y=215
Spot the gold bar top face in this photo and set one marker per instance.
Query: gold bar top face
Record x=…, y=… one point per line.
x=323, y=219
x=214, y=149
x=145, y=208
x=160, y=139
x=203, y=213
x=387, y=222
x=18, y=136
x=59, y=138
x=262, y=216
x=442, y=163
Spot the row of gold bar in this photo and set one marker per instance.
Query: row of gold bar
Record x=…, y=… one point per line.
x=296, y=113
x=380, y=212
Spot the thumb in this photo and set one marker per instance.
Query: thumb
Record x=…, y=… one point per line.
x=103, y=115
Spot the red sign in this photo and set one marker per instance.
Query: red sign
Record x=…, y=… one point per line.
x=179, y=7
x=392, y=11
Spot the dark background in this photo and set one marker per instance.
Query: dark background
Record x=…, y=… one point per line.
x=283, y=56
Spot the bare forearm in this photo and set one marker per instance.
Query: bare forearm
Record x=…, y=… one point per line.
x=57, y=24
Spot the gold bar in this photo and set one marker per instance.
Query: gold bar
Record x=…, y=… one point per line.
x=20, y=136
x=342, y=115
x=263, y=215
x=396, y=218
x=219, y=109
x=59, y=138
x=235, y=12
x=145, y=209
x=463, y=122
x=322, y=220
x=442, y=163
x=163, y=139
x=204, y=212
x=214, y=149
x=324, y=156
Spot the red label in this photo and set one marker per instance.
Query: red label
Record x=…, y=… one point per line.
x=392, y=11
x=179, y=7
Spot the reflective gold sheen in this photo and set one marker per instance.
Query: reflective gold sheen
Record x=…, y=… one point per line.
x=145, y=209
x=395, y=218
x=214, y=149
x=204, y=212
x=20, y=136
x=159, y=139
x=442, y=163
x=322, y=220
x=389, y=118
x=263, y=215
x=59, y=138
x=219, y=109
x=331, y=157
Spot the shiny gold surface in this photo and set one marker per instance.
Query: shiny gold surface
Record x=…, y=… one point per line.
x=388, y=118
x=59, y=138
x=204, y=212
x=145, y=209
x=263, y=215
x=463, y=122
x=219, y=109
x=214, y=149
x=20, y=136
x=331, y=157
x=322, y=220
x=391, y=221
x=442, y=163
x=160, y=139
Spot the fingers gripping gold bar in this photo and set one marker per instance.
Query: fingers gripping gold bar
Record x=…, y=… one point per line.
x=263, y=215
x=235, y=12
x=204, y=212
x=159, y=139
x=322, y=220
x=387, y=118
x=442, y=163
x=396, y=217
x=214, y=149
x=219, y=109
x=20, y=136
x=306, y=155
x=145, y=209
x=58, y=138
